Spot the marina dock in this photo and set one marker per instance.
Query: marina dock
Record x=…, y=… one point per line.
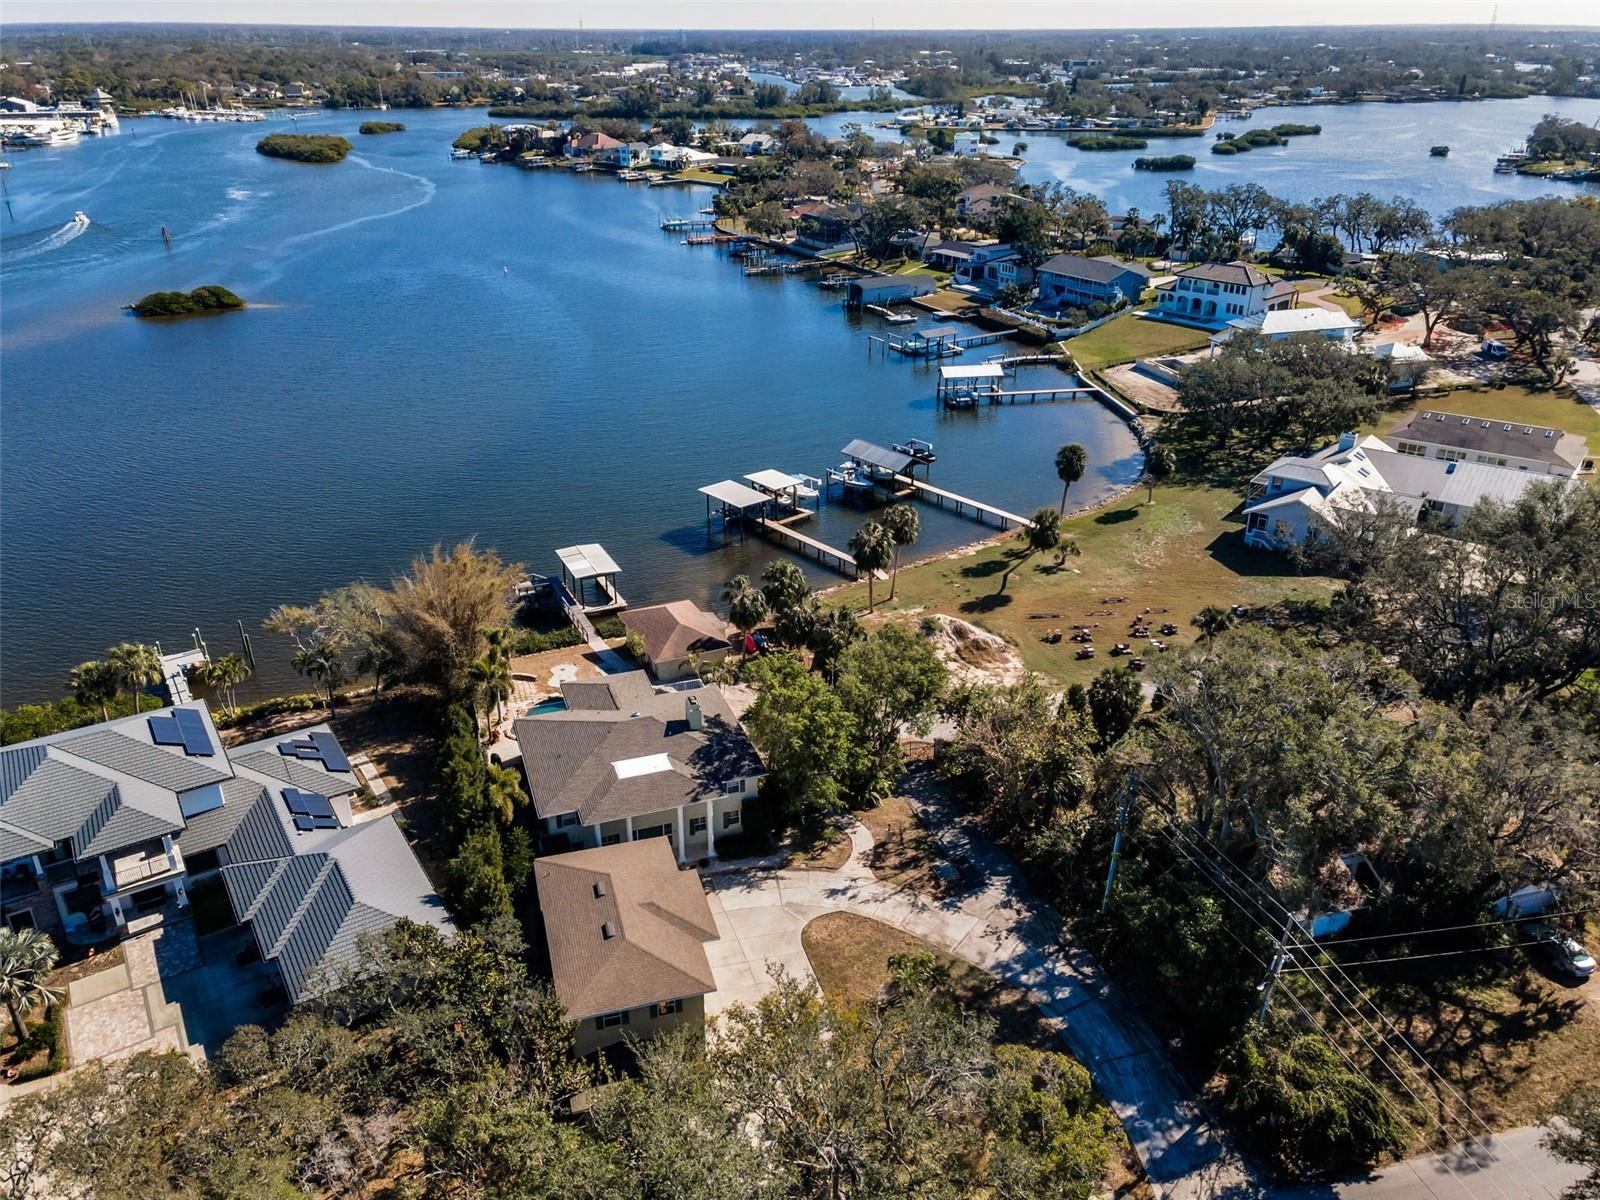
x=895, y=470
x=936, y=495
x=981, y=383
x=940, y=341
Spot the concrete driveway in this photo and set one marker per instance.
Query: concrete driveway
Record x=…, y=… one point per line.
x=760, y=912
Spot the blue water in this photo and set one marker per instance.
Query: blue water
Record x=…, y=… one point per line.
x=435, y=350
x=438, y=350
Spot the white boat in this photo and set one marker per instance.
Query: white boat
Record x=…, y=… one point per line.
x=78, y=218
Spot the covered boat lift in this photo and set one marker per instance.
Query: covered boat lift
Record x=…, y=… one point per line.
x=788, y=490
x=735, y=502
x=959, y=386
x=586, y=564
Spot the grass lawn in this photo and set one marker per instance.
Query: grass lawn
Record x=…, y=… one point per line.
x=903, y=852
x=1179, y=554
x=828, y=851
x=696, y=175
x=912, y=267
x=1130, y=336
x=1560, y=409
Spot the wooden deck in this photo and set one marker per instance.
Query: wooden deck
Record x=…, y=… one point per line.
x=941, y=497
x=839, y=560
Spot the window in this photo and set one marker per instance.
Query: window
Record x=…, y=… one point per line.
x=610, y=1020
x=567, y=820
x=730, y=819
x=610, y=839
x=1257, y=521
x=21, y=919
x=650, y=831
x=1452, y=455
x=669, y=1008
x=1413, y=449
x=697, y=825
x=734, y=787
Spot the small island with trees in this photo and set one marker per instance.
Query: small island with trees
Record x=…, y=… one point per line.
x=212, y=298
x=1439, y=151
x=305, y=147
x=1164, y=162
x=1107, y=141
x=1278, y=135
x=377, y=127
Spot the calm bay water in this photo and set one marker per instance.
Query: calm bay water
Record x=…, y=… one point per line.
x=438, y=350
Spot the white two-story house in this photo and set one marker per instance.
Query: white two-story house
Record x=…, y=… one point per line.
x=1211, y=295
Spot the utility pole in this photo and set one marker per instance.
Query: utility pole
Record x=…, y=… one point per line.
x=1130, y=785
x=1280, y=959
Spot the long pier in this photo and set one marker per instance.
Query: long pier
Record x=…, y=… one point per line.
x=841, y=560
x=679, y=224
x=941, y=497
x=970, y=397
x=941, y=342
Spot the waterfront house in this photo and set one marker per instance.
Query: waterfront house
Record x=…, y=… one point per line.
x=1212, y=294
x=627, y=932
x=952, y=256
x=828, y=228
x=590, y=145
x=983, y=201
x=624, y=762
x=757, y=143
x=669, y=157
x=102, y=828
x=677, y=636
x=1073, y=281
x=1282, y=324
x=1452, y=437
x=624, y=155
x=989, y=275
x=1299, y=495
x=967, y=145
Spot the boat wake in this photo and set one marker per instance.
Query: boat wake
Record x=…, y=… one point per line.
x=31, y=245
x=428, y=186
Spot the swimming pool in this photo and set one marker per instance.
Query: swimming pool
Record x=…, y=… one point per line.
x=554, y=704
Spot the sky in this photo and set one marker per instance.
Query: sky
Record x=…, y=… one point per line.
x=814, y=14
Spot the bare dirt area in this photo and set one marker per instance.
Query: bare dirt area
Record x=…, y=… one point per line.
x=975, y=655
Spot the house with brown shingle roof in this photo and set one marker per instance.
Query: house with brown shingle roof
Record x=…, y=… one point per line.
x=627, y=932
x=1212, y=294
x=677, y=636
x=624, y=763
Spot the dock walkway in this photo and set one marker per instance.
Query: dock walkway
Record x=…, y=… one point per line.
x=980, y=510
x=841, y=560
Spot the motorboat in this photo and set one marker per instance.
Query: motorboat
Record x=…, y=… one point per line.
x=79, y=219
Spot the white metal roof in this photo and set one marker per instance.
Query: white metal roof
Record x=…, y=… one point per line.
x=587, y=561
x=975, y=371
x=777, y=481
x=735, y=495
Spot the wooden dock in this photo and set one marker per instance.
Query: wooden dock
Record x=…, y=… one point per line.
x=971, y=397
x=839, y=560
x=941, y=497
x=939, y=342
x=680, y=224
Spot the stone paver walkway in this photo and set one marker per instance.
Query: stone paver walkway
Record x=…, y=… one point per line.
x=122, y=1010
x=760, y=912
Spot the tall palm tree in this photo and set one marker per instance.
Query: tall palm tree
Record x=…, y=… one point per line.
x=137, y=666
x=904, y=525
x=490, y=677
x=26, y=957
x=320, y=659
x=94, y=682
x=747, y=605
x=1071, y=459
x=1159, y=464
x=872, y=547
x=225, y=674
x=1212, y=620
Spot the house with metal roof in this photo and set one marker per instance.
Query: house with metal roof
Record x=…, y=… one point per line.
x=102, y=828
x=1210, y=295
x=1497, y=443
x=625, y=762
x=1302, y=495
x=627, y=932
x=677, y=636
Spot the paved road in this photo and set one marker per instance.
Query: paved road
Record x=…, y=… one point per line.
x=1510, y=1166
x=997, y=926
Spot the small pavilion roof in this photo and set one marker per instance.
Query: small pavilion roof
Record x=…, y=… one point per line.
x=973, y=371
x=588, y=561
x=735, y=495
x=771, y=480
x=876, y=456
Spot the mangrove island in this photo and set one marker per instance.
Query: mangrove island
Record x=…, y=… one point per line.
x=209, y=299
x=376, y=127
x=304, y=147
x=1165, y=162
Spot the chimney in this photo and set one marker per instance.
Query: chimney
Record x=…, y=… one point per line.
x=693, y=715
x=1347, y=441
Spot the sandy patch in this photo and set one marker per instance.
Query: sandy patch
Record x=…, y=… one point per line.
x=975, y=655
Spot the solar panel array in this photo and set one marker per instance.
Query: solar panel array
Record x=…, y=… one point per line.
x=182, y=727
x=310, y=811
x=317, y=747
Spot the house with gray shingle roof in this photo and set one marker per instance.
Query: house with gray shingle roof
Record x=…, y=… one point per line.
x=625, y=762
x=1210, y=295
x=103, y=827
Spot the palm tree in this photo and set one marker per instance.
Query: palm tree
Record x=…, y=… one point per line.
x=136, y=665
x=94, y=682
x=904, y=525
x=747, y=606
x=26, y=957
x=490, y=678
x=1043, y=534
x=224, y=674
x=1070, y=462
x=321, y=660
x=872, y=547
x=1159, y=464
x=1212, y=620
x=498, y=641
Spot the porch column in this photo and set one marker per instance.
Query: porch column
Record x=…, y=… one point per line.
x=627, y=829
x=682, y=844
x=711, y=826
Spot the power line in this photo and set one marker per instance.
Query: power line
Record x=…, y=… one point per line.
x=1377, y=962
x=1393, y=1031
x=1508, y=920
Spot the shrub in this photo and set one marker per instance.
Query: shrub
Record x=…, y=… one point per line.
x=610, y=627
x=536, y=641
x=304, y=147
x=28, y=721
x=47, y=1033
x=210, y=298
x=375, y=127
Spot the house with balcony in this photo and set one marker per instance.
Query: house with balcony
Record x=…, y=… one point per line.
x=625, y=762
x=102, y=828
x=627, y=932
x=1210, y=295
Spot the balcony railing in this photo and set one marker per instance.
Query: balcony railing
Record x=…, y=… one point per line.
x=141, y=866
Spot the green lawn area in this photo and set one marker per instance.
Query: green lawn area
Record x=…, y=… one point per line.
x=1180, y=554
x=696, y=175
x=913, y=267
x=1559, y=409
x=1130, y=336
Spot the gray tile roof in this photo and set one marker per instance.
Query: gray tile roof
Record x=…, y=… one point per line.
x=1513, y=439
x=294, y=771
x=615, y=693
x=210, y=829
x=609, y=764
x=1102, y=269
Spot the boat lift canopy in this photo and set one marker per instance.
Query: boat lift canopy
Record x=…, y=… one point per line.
x=589, y=561
x=975, y=371
x=938, y=333
x=774, y=481
x=735, y=495
x=893, y=461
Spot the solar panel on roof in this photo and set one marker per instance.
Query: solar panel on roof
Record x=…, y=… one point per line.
x=164, y=731
x=332, y=756
x=192, y=728
x=307, y=804
x=304, y=824
x=324, y=822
